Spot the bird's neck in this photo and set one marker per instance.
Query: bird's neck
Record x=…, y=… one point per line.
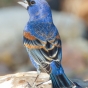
x=42, y=18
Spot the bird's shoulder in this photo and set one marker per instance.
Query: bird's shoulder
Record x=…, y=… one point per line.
x=31, y=42
x=27, y=35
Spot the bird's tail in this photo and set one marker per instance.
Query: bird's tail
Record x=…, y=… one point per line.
x=59, y=79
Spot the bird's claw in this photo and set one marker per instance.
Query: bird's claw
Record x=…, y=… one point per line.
x=34, y=84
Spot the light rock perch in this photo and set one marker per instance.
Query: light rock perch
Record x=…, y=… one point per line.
x=26, y=80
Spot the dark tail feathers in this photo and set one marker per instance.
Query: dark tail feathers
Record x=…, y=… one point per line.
x=58, y=77
x=61, y=81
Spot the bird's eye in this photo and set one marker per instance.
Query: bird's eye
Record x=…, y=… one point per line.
x=32, y=2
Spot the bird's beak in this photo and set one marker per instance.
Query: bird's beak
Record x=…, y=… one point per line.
x=24, y=4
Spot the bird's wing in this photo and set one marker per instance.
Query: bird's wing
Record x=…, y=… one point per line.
x=43, y=51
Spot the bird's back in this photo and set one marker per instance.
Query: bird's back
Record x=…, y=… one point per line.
x=42, y=30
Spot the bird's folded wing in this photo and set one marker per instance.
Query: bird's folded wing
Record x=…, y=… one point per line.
x=43, y=52
x=51, y=50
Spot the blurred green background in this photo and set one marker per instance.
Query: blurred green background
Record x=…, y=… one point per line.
x=71, y=19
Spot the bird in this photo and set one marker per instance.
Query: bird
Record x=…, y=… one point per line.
x=43, y=43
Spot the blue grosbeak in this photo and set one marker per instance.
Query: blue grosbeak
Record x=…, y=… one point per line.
x=42, y=41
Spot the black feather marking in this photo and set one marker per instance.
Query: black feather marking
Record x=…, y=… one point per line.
x=48, y=45
x=52, y=52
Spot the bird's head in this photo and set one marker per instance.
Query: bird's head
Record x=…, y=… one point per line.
x=37, y=9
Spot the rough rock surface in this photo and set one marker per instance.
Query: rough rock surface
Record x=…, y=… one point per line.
x=26, y=80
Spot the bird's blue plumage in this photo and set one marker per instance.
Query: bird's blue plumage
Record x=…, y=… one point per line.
x=40, y=10
x=56, y=70
x=43, y=43
x=42, y=30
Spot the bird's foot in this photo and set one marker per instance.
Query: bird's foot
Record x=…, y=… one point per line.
x=48, y=81
x=34, y=84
